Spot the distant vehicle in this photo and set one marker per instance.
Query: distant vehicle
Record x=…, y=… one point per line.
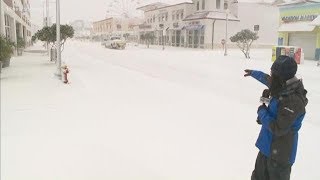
x=114, y=43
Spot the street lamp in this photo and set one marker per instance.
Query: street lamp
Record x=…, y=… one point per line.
x=225, y=45
x=58, y=73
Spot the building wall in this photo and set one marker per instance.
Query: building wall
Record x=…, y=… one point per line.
x=264, y=15
x=18, y=14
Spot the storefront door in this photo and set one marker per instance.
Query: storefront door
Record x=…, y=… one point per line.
x=305, y=40
x=178, y=38
x=196, y=38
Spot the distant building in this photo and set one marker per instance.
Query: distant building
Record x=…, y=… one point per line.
x=15, y=20
x=202, y=23
x=299, y=26
x=114, y=27
x=82, y=28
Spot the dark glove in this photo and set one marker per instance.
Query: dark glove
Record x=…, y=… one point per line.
x=263, y=106
x=266, y=93
x=247, y=72
x=258, y=121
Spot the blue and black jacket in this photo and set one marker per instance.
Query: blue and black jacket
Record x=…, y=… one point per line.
x=281, y=120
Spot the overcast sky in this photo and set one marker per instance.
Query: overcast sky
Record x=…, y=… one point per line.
x=71, y=10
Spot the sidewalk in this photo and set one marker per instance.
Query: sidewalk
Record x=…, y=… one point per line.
x=29, y=89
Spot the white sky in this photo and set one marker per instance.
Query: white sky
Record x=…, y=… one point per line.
x=80, y=9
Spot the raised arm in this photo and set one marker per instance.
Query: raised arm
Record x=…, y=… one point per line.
x=258, y=75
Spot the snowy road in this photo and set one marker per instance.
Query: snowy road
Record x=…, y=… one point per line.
x=142, y=114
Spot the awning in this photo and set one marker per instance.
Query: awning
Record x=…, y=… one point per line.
x=316, y=21
x=296, y=27
x=193, y=27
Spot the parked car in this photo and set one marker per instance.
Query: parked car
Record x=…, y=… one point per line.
x=114, y=43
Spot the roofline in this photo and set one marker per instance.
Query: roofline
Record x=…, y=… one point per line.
x=297, y=2
x=209, y=18
x=152, y=4
x=103, y=20
x=169, y=6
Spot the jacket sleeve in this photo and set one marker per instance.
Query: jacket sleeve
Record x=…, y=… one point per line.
x=289, y=110
x=261, y=77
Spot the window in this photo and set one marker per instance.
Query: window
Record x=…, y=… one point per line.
x=182, y=15
x=198, y=5
x=173, y=15
x=203, y=4
x=167, y=16
x=154, y=18
x=177, y=16
x=7, y=26
x=218, y=4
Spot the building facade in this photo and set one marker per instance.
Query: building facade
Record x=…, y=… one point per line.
x=114, y=27
x=165, y=23
x=207, y=23
x=15, y=20
x=299, y=27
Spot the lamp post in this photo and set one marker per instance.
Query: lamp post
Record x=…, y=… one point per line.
x=47, y=13
x=225, y=45
x=58, y=73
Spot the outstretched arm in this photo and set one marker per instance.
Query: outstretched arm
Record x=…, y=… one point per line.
x=258, y=75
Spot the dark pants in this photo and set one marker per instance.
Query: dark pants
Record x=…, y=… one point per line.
x=268, y=169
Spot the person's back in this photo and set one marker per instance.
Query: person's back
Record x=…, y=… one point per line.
x=281, y=120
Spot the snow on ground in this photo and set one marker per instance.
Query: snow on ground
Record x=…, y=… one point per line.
x=141, y=114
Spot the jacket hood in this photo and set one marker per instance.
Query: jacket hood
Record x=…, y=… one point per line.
x=295, y=86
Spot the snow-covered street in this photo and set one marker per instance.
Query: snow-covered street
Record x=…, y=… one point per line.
x=142, y=114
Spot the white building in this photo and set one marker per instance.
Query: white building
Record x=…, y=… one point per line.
x=15, y=20
x=205, y=23
x=165, y=23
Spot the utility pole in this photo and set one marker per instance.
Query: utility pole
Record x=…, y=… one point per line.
x=225, y=46
x=58, y=73
x=47, y=13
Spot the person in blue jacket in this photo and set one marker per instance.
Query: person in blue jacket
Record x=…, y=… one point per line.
x=280, y=120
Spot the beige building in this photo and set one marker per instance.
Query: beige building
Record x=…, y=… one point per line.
x=114, y=27
x=15, y=20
